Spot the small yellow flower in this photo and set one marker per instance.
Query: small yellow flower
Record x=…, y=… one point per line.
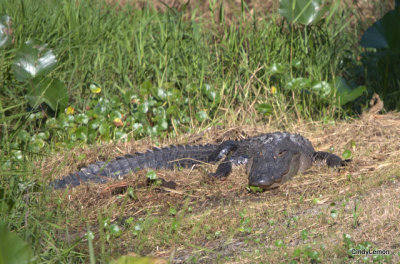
x=95, y=89
x=273, y=90
x=70, y=110
x=118, y=122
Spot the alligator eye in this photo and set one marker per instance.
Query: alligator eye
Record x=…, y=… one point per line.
x=281, y=153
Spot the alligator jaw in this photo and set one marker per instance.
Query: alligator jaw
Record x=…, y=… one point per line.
x=270, y=172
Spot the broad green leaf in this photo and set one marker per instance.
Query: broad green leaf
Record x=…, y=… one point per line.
x=334, y=213
x=172, y=210
x=41, y=135
x=254, y=189
x=92, y=136
x=201, y=116
x=305, y=12
x=191, y=88
x=144, y=107
x=131, y=193
x=346, y=154
x=121, y=135
x=172, y=110
x=13, y=250
x=82, y=119
x=36, y=145
x=297, y=63
x=23, y=135
x=298, y=84
x=279, y=243
x=174, y=224
x=145, y=88
x=81, y=133
x=17, y=155
x=115, y=230
x=94, y=124
x=277, y=68
x=32, y=60
x=324, y=88
x=151, y=175
x=304, y=234
x=104, y=129
x=160, y=93
x=384, y=33
x=114, y=115
x=51, y=91
x=89, y=235
x=100, y=109
x=176, y=96
x=211, y=94
x=163, y=124
x=5, y=31
x=345, y=94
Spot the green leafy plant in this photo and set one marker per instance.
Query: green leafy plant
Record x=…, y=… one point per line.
x=306, y=254
x=347, y=154
x=345, y=93
x=382, y=59
x=32, y=63
x=245, y=225
x=305, y=12
x=13, y=250
x=5, y=31
x=383, y=34
x=306, y=15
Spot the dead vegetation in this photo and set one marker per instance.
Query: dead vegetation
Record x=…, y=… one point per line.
x=364, y=195
x=364, y=12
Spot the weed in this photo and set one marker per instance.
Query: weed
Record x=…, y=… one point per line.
x=355, y=214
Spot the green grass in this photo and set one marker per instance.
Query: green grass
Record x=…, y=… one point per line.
x=169, y=74
x=219, y=73
x=121, y=49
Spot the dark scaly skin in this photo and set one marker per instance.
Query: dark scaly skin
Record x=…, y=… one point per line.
x=271, y=159
x=157, y=158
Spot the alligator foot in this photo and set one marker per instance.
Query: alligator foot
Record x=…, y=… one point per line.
x=223, y=170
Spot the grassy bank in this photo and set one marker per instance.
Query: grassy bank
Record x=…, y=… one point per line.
x=162, y=77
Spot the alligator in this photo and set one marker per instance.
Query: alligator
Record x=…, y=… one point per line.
x=271, y=159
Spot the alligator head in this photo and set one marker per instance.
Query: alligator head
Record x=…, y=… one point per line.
x=272, y=166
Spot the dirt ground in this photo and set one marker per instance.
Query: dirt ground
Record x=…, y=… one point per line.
x=370, y=185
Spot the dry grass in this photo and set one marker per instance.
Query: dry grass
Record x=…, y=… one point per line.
x=370, y=184
x=365, y=12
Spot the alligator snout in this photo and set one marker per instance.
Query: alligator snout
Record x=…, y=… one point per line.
x=266, y=185
x=269, y=173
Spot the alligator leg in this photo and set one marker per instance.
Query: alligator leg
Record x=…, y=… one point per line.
x=331, y=159
x=223, y=170
x=233, y=156
x=223, y=150
x=225, y=167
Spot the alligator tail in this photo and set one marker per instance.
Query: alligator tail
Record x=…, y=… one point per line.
x=168, y=157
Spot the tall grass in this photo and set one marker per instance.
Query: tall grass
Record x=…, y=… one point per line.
x=121, y=48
